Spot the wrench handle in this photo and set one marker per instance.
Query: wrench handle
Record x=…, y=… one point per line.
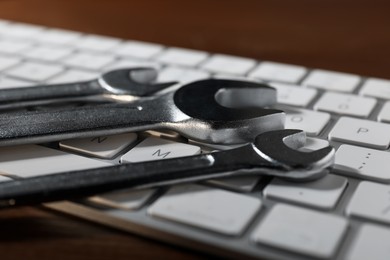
x=80, y=184
x=77, y=122
x=48, y=92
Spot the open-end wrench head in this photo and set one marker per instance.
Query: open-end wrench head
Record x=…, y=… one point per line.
x=280, y=147
x=233, y=110
x=135, y=81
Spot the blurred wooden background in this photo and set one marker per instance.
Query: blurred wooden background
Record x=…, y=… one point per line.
x=350, y=36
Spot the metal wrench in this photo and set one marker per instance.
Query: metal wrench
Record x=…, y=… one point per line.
x=137, y=82
x=213, y=110
x=272, y=153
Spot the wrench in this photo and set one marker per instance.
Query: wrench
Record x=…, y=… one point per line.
x=137, y=82
x=272, y=153
x=213, y=110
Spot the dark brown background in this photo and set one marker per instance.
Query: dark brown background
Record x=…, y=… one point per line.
x=352, y=36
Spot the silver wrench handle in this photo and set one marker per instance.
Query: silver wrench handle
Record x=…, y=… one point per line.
x=80, y=184
x=47, y=92
x=78, y=122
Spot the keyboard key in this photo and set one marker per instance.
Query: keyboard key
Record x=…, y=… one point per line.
x=346, y=104
x=216, y=210
x=363, y=163
x=182, y=75
x=182, y=57
x=293, y=95
x=123, y=199
x=361, y=132
x=379, y=88
x=57, y=37
x=313, y=144
x=21, y=30
x=142, y=50
x=371, y=201
x=105, y=147
x=309, y=121
x=14, y=47
x=6, y=82
x=35, y=71
x=74, y=75
x=132, y=63
x=48, y=53
x=371, y=242
x=384, y=114
x=323, y=193
x=244, y=184
x=334, y=81
x=33, y=160
x=89, y=61
x=228, y=64
x=301, y=230
x=153, y=148
x=7, y=62
x=97, y=43
x=278, y=72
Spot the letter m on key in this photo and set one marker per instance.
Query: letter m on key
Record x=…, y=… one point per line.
x=160, y=154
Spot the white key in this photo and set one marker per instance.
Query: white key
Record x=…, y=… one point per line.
x=34, y=160
x=346, y=104
x=153, y=148
x=278, y=72
x=216, y=210
x=182, y=57
x=58, y=37
x=363, y=163
x=245, y=183
x=74, y=75
x=294, y=95
x=182, y=75
x=309, y=121
x=48, y=53
x=379, y=88
x=97, y=43
x=123, y=199
x=384, y=114
x=35, y=71
x=361, y=132
x=329, y=80
x=14, y=47
x=228, y=64
x=6, y=82
x=132, y=63
x=322, y=193
x=371, y=242
x=142, y=50
x=371, y=201
x=89, y=61
x=313, y=144
x=7, y=62
x=102, y=147
x=4, y=178
x=21, y=30
x=301, y=230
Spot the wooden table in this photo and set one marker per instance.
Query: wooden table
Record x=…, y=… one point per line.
x=352, y=36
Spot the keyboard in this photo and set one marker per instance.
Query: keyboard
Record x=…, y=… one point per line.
x=345, y=215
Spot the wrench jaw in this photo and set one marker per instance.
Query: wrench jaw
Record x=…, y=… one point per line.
x=230, y=132
x=137, y=82
x=235, y=111
x=279, y=148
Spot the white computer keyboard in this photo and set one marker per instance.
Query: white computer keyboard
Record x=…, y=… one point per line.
x=345, y=215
